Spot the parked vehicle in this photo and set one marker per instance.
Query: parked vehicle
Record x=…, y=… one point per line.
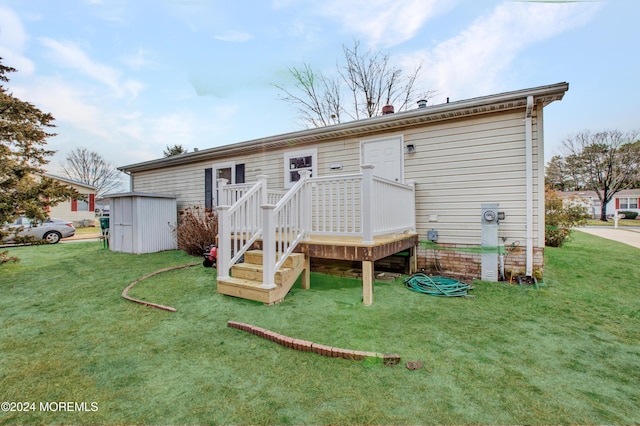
x=50, y=230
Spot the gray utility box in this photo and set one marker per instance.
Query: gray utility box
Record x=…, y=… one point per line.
x=489, y=241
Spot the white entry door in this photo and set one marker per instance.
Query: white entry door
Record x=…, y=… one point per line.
x=386, y=156
x=222, y=171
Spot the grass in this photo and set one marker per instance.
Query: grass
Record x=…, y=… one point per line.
x=611, y=222
x=567, y=353
x=90, y=230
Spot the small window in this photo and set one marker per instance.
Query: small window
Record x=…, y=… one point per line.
x=83, y=206
x=628, y=203
x=295, y=162
x=623, y=203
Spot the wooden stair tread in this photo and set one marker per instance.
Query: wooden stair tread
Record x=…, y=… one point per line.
x=246, y=278
x=255, y=267
x=243, y=282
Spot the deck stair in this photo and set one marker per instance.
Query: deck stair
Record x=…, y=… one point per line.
x=246, y=278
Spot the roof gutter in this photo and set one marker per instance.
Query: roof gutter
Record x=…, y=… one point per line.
x=528, y=128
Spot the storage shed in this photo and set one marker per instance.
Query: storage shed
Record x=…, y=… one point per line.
x=142, y=222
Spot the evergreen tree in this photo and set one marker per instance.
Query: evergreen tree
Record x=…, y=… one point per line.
x=24, y=190
x=170, y=151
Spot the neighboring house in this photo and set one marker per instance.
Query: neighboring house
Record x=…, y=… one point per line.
x=80, y=212
x=587, y=199
x=456, y=156
x=627, y=199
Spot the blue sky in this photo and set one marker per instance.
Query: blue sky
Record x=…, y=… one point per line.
x=126, y=78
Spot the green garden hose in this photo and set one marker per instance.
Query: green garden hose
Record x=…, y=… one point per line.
x=437, y=286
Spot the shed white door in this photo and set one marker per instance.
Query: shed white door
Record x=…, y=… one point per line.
x=122, y=217
x=386, y=156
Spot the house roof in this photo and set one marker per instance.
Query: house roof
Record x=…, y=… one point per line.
x=628, y=193
x=70, y=181
x=485, y=104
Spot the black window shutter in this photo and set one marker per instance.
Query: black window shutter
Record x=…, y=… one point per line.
x=239, y=173
x=208, y=188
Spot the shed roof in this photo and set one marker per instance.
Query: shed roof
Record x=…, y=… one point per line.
x=139, y=195
x=440, y=112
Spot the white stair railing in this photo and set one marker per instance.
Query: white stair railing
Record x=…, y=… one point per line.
x=239, y=225
x=285, y=225
x=361, y=205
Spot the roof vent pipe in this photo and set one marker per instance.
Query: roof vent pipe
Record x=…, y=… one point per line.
x=387, y=109
x=422, y=103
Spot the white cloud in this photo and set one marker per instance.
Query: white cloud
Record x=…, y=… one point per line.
x=71, y=56
x=383, y=22
x=65, y=103
x=13, y=40
x=234, y=36
x=476, y=61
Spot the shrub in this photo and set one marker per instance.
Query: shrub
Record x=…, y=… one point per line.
x=629, y=215
x=5, y=258
x=559, y=219
x=554, y=236
x=197, y=229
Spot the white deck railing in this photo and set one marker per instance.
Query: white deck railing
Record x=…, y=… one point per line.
x=360, y=205
x=335, y=205
x=393, y=206
x=230, y=194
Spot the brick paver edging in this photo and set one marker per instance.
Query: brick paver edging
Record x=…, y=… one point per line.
x=307, y=346
x=150, y=304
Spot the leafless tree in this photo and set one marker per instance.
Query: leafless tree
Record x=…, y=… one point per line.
x=319, y=100
x=605, y=162
x=368, y=77
x=89, y=167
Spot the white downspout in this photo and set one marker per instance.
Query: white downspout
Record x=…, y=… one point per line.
x=528, y=126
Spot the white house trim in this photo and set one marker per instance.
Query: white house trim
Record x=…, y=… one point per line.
x=288, y=167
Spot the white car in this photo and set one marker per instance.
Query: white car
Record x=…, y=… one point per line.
x=50, y=230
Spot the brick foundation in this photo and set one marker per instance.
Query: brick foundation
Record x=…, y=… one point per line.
x=450, y=262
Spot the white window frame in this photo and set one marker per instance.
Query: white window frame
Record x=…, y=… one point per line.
x=214, y=175
x=310, y=152
x=83, y=206
x=627, y=202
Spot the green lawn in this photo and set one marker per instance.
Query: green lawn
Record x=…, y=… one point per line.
x=611, y=222
x=568, y=353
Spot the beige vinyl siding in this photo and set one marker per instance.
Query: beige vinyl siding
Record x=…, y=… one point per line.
x=185, y=182
x=458, y=166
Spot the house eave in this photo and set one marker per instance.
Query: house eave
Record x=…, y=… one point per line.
x=441, y=112
x=70, y=181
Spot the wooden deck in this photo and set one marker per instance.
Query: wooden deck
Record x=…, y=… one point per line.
x=353, y=249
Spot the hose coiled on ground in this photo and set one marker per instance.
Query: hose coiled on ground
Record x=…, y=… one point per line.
x=437, y=286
